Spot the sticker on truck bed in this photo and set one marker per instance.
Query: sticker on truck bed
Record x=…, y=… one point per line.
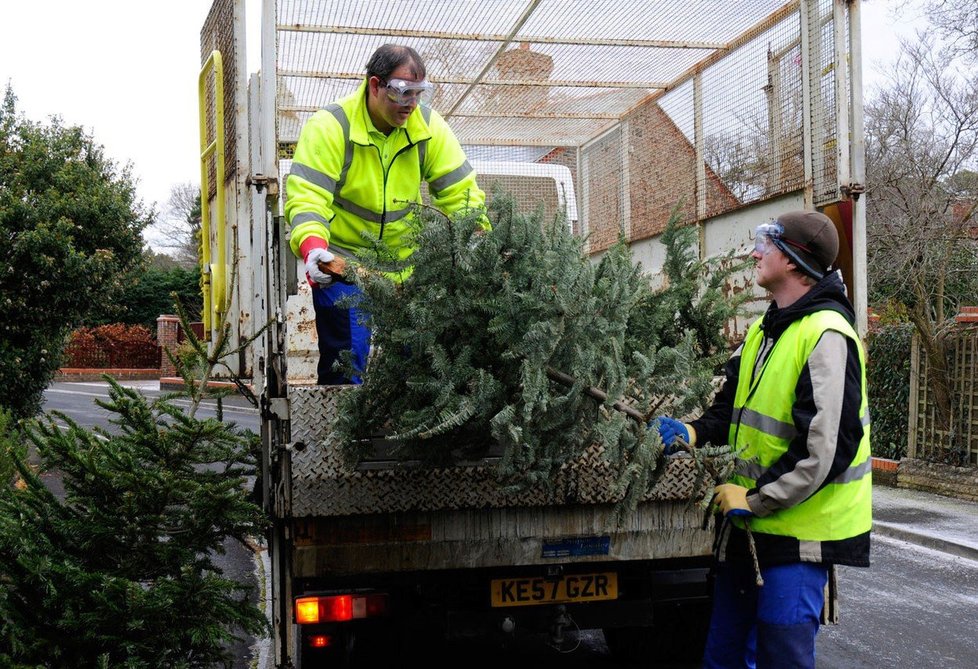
x=576, y=547
x=566, y=589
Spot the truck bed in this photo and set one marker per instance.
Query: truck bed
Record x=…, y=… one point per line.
x=396, y=516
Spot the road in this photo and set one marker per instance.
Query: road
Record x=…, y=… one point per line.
x=913, y=608
x=77, y=401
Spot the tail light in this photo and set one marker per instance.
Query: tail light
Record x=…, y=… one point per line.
x=337, y=608
x=320, y=641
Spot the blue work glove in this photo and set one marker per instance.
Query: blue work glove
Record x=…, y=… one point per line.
x=669, y=429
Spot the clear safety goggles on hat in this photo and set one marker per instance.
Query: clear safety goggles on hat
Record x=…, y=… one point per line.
x=768, y=236
x=404, y=92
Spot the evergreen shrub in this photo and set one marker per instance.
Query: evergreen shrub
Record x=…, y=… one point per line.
x=118, y=569
x=888, y=384
x=70, y=231
x=12, y=447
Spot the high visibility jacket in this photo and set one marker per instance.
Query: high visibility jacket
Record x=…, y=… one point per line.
x=833, y=524
x=343, y=183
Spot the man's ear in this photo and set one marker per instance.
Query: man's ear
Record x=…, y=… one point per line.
x=373, y=84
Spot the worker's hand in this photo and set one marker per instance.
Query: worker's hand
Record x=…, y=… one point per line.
x=732, y=500
x=313, y=258
x=669, y=430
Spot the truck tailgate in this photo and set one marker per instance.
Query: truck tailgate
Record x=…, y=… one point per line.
x=403, y=517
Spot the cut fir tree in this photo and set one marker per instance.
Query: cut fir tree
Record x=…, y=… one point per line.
x=496, y=340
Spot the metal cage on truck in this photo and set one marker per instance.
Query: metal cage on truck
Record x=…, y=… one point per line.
x=735, y=111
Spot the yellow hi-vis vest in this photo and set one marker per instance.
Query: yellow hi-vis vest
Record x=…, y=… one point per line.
x=342, y=187
x=762, y=428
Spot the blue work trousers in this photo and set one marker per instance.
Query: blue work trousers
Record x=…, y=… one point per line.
x=340, y=327
x=767, y=627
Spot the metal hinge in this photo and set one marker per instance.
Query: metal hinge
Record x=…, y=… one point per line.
x=853, y=190
x=260, y=181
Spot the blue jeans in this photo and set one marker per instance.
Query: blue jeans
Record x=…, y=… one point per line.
x=773, y=626
x=340, y=328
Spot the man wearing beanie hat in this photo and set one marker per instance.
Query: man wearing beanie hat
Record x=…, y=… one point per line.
x=795, y=411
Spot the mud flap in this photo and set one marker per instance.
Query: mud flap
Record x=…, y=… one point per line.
x=830, y=609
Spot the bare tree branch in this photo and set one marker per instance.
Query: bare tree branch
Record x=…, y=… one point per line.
x=921, y=157
x=179, y=230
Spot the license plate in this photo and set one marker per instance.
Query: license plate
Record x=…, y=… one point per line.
x=539, y=590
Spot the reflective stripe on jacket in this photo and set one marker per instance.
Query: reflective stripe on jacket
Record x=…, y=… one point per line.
x=763, y=430
x=341, y=187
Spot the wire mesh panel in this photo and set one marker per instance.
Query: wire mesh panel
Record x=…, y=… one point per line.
x=649, y=105
x=823, y=109
x=603, y=193
x=752, y=118
x=217, y=34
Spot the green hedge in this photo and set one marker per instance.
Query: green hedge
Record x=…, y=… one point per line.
x=11, y=447
x=888, y=378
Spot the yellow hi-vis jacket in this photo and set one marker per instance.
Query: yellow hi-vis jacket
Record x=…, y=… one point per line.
x=342, y=185
x=839, y=512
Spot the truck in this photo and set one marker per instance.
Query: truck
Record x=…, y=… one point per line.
x=613, y=115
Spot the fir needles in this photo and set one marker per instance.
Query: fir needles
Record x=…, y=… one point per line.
x=465, y=351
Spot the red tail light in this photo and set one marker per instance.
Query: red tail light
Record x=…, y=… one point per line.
x=320, y=641
x=337, y=608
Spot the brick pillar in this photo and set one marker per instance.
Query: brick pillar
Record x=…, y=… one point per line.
x=872, y=320
x=167, y=334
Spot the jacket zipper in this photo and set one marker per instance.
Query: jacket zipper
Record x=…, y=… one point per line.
x=386, y=171
x=754, y=383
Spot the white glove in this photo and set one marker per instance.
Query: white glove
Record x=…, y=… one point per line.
x=313, y=258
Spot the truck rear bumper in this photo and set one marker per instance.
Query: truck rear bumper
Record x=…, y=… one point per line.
x=463, y=604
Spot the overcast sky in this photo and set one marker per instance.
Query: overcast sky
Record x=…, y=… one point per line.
x=127, y=71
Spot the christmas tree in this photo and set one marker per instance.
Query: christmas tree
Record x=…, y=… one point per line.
x=119, y=569
x=512, y=340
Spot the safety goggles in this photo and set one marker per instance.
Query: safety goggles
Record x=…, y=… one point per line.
x=765, y=237
x=403, y=92
x=768, y=236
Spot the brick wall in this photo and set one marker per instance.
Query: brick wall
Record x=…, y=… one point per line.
x=604, y=175
x=960, y=482
x=661, y=173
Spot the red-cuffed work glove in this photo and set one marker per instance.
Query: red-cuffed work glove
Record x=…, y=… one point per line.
x=314, y=252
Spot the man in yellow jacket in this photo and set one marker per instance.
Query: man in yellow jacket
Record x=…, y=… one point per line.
x=795, y=410
x=355, y=176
